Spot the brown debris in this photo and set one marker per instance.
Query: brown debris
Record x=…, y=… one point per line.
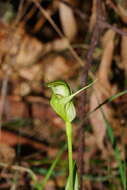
x=7, y=153
x=97, y=120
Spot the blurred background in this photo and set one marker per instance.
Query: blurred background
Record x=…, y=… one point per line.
x=46, y=40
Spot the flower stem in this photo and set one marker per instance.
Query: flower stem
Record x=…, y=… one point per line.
x=69, y=139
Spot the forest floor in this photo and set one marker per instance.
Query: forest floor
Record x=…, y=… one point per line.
x=79, y=42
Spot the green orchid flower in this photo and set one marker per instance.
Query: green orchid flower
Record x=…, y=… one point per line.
x=61, y=99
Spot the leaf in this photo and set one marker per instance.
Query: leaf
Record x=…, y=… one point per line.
x=51, y=169
x=99, y=95
x=67, y=19
x=67, y=184
x=122, y=12
x=76, y=183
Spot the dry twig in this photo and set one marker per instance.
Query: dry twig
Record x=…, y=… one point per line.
x=84, y=76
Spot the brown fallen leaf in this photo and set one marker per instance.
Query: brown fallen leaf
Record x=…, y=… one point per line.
x=122, y=10
x=30, y=51
x=68, y=21
x=17, y=46
x=90, y=142
x=11, y=139
x=7, y=153
x=97, y=96
x=56, y=45
x=33, y=72
x=58, y=67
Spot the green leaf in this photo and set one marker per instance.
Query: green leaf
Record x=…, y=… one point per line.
x=67, y=187
x=76, y=183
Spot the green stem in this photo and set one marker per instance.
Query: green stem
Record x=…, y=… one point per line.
x=69, y=139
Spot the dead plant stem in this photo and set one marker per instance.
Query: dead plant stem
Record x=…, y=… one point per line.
x=83, y=97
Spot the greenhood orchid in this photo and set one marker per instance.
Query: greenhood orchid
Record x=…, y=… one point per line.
x=61, y=102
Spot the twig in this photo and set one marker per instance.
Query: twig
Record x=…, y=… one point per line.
x=84, y=76
x=21, y=169
x=3, y=97
x=19, y=15
x=117, y=30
